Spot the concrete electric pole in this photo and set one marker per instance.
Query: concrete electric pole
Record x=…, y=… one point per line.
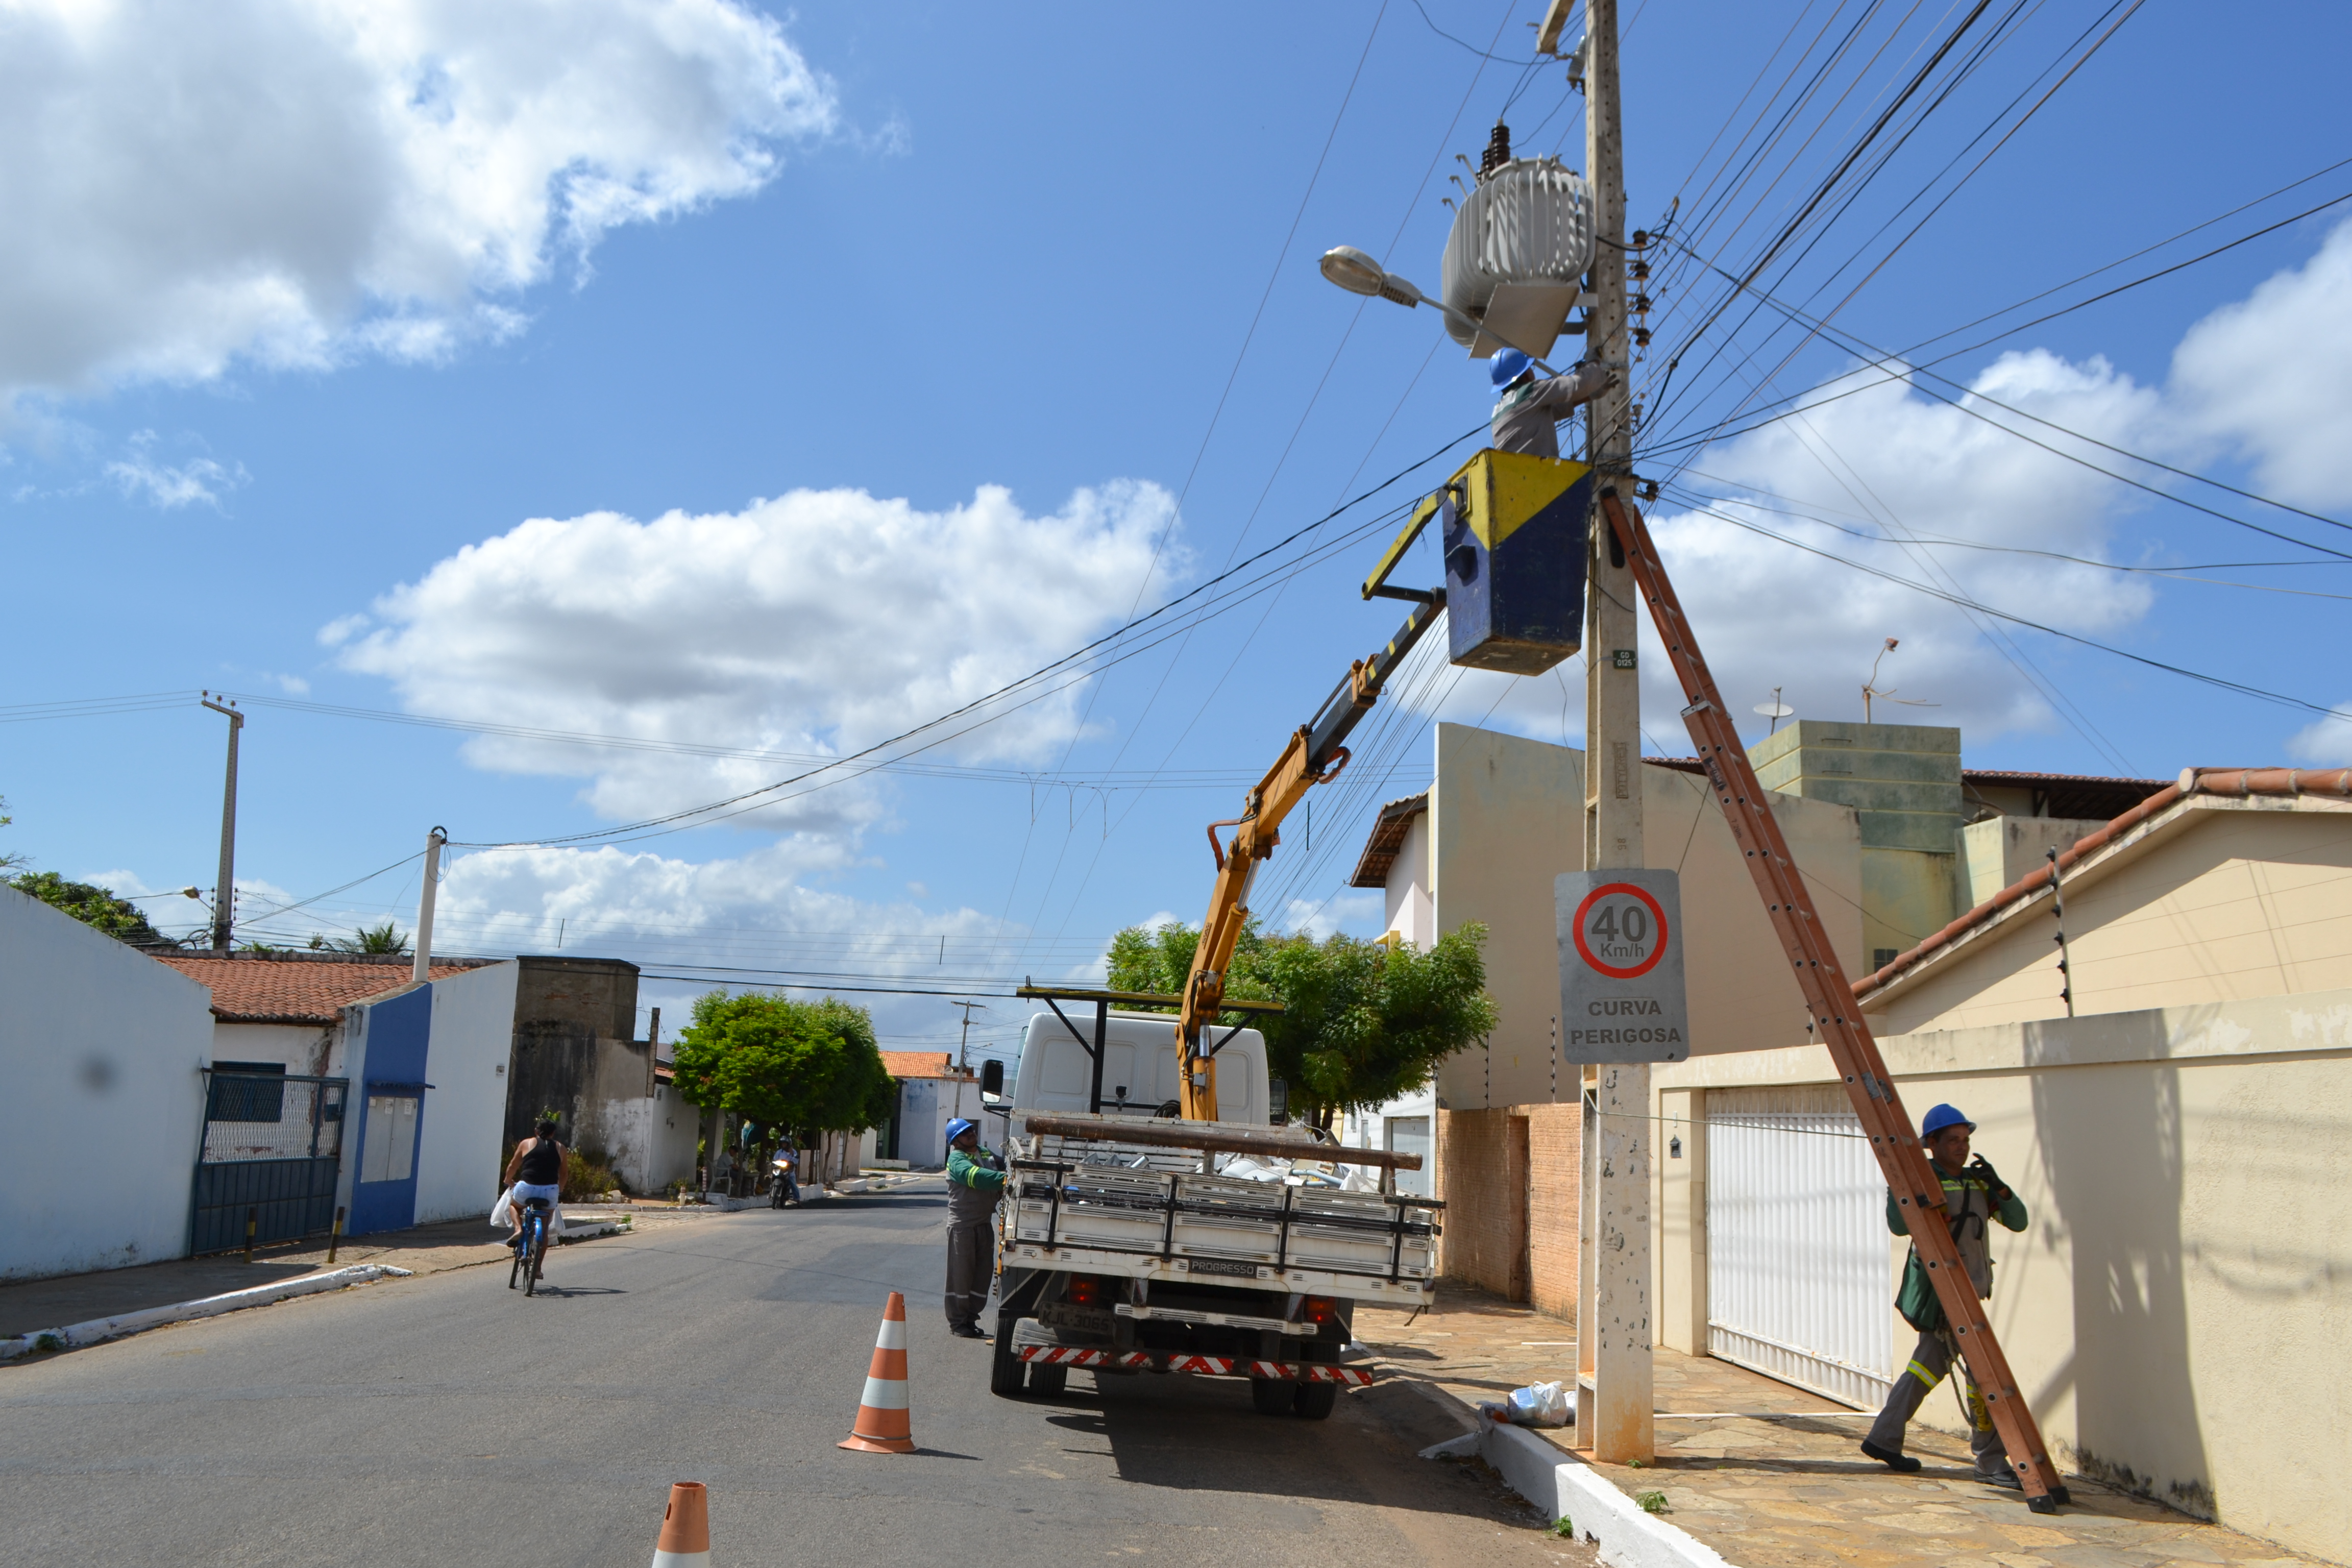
x=1614, y=1413
x=963, y=1051
x=225, y=890
x=421, y=970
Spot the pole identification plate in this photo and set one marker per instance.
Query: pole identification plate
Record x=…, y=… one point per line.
x=1621, y=967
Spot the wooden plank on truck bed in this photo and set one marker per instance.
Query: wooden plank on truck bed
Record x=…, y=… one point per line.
x=1164, y=1134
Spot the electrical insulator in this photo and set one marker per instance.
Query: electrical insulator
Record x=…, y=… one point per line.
x=1637, y=270
x=1641, y=304
x=1642, y=337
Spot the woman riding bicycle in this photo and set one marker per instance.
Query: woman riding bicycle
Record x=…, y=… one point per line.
x=536, y=1171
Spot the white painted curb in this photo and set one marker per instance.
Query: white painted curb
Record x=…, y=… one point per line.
x=1626, y=1536
x=73, y=1336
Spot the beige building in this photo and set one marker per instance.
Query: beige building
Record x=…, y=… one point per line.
x=2175, y=1310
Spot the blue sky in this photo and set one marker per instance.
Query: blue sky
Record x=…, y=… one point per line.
x=752, y=386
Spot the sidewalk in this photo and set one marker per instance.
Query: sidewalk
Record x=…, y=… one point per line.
x=1770, y=1476
x=36, y=1304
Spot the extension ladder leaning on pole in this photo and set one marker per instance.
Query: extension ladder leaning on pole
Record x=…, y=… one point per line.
x=1829, y=998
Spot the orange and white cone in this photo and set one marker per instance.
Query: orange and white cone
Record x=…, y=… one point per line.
x=882, y=1423
x=686, y=1528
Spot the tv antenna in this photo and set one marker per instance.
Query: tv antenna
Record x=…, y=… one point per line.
x=1775, y=711
x=1870, y=688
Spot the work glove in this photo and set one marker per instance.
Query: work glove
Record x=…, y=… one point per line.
x=1981, y=1168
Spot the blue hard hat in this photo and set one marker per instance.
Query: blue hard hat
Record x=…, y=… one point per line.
x=1508, y=367
x=1942, y=1115
x=959, y=1127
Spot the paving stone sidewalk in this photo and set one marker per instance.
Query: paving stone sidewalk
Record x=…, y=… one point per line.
x=1770, y=1475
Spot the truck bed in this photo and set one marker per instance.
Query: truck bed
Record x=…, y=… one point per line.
x=1102, y=1206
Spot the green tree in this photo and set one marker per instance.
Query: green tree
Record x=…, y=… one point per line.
x=93, y=906
x=812, y=1065
x=8, y=860
x=386, y=938
x=1361, y=1023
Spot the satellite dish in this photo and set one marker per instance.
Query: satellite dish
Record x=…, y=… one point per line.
x=1776, y=710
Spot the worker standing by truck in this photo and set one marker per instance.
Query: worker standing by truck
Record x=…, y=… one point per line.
x=1974, y=1195
x=1527, y=408
x=975, y=1181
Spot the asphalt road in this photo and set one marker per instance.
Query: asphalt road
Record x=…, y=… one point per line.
x=445, y=1419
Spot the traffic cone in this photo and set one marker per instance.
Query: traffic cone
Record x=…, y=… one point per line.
x=686, y=1528
x=882, y=1426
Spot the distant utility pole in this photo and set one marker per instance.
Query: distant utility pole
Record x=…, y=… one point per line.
x=225, y=891
x=963, y=1051
x=1614, y=1414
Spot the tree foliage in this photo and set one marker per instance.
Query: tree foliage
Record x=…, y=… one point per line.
x=386, y=938
x=93, y=906
x=812, y=1065
x=1361, y=1023
x=7, y=859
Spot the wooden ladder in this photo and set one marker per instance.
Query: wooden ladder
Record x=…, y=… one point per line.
x=1830, y=997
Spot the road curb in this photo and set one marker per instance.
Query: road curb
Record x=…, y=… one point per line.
x=73, y=1336
x=1627, y=1536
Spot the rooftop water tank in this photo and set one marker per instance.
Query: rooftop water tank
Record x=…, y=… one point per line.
x=1521, y=243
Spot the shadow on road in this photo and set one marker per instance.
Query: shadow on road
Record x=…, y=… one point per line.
x=1201, y=1434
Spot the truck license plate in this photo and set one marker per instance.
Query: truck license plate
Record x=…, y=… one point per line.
x=1218, y=1265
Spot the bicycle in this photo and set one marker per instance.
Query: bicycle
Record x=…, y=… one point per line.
x=533, y=1250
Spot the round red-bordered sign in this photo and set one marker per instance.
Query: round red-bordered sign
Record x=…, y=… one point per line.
x=1656, y=952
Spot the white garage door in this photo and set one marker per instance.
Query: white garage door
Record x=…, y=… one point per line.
x=1797, y=1280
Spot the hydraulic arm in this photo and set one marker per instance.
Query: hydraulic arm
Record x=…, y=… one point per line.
x=1315, y=756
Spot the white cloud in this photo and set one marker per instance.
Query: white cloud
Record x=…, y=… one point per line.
x=2272, y=373
x=299, y=180
x=818, y=622
x=1359, y=909
x=1888, y=460
x=2326, y=744
x=169, y=486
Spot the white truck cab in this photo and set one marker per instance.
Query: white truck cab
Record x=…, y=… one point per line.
x=1139, y=1068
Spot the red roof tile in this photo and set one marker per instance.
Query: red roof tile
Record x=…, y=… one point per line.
x=299, y=988
x=921, y=1064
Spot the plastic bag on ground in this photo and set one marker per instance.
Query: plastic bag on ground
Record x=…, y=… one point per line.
x=1540, y=1404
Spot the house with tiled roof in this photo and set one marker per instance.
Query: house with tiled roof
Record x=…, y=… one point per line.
x=2149, y=1024
x=287, y=1008
x=931, y=1093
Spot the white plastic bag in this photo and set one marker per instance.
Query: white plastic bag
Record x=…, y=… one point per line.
x=502, y=1216
x=1540, y=1404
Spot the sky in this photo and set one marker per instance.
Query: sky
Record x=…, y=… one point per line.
x=547, y=421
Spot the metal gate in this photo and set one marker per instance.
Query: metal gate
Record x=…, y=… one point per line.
x=1799, y=1283
x=273, y=1145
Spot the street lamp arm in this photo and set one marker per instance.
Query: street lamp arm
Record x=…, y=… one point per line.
x=1357, y=273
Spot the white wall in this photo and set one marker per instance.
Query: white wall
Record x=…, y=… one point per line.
x=307, y=1049
x=99, y=1046
x=1410, y=914
x=465, y=1113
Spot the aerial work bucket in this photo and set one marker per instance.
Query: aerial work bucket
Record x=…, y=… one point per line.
x=1514, y=531
x=1521, y=243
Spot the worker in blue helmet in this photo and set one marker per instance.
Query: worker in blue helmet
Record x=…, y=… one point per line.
x=975, y=1181
x=1974, y=1196
x=1528, y=408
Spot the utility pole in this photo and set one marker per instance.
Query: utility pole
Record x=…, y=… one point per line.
x=423, y=969
x=1614, y=1413
x=225, y=890
x=963, y=1051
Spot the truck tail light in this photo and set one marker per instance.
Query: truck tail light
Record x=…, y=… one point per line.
x=1085, y=1290
x=1321, y=1310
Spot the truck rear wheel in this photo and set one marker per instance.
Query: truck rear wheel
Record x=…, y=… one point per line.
x=1048, y=1382
x=1316, y=1401
x=1270, y=1396
x=1006, y=1371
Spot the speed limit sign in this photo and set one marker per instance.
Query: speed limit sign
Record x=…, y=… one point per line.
x=1621, y=967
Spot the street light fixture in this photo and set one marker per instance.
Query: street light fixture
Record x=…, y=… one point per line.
x=1357, y=273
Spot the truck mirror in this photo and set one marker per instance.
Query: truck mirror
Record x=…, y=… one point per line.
x=992, y=1080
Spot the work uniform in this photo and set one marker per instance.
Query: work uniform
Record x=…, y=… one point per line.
x=1969, y=1207
x=1527, y=412
x=975, y=1181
